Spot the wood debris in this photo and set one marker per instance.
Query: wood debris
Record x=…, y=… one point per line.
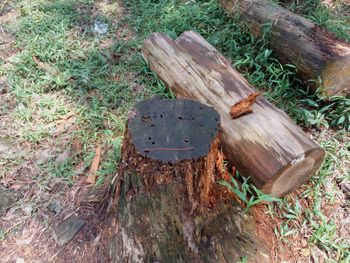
x=66, y=231
x=244, y=106
x=94, y=166
x=221, y=167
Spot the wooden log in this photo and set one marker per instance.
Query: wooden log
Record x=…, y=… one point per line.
x=170, y=207
x=317, y=53
x=266, y=144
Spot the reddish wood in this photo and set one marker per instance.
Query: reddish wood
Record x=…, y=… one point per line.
x=175, y=211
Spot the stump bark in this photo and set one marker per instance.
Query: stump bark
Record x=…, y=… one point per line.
x=169, y=207
x=265, y=145
x=317, y=53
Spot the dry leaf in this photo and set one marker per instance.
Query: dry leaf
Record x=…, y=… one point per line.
x=45, y=66
x=76, y=147
x=94, y=166
x=244, y=106
x=16, y=186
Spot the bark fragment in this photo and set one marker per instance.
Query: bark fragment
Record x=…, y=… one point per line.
x=243, y=107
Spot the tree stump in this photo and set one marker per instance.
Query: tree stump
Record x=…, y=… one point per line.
x=169, y=207
x=317, y=53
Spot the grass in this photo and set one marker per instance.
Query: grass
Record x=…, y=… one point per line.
x=335, y=20
x=250, y=55
x=246, y=192
x=74, y=76
x=72, y=85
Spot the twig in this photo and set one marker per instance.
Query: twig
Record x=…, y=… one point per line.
x=91, y=179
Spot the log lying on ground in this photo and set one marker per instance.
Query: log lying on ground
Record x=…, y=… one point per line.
x=265, y=145
x=170, y=207
x=316, y=52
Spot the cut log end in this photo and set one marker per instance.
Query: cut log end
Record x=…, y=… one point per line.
x=174, y=141
x=336, y=77
x=295, y=174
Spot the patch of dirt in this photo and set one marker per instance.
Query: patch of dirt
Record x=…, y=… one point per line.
x=29, y=225
x=30, y=231
x=109, y=8
x=7, y=41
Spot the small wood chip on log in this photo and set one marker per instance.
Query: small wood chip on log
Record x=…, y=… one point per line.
x=244, y=106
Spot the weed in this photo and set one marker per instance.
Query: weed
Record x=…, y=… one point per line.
x=2, y=234
x=248, y=193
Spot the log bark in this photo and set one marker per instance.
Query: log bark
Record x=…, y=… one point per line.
x=265, y=145
x=169, y=207
x=317, y=53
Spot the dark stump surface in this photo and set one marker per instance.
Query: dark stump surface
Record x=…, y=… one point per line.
x=173, y=130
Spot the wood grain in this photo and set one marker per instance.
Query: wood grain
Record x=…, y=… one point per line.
x=266, y=144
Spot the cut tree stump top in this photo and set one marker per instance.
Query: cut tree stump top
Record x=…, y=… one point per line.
x=173, y=130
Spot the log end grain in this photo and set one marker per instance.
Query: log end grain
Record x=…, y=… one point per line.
x=296, y=173
x=336, y=77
